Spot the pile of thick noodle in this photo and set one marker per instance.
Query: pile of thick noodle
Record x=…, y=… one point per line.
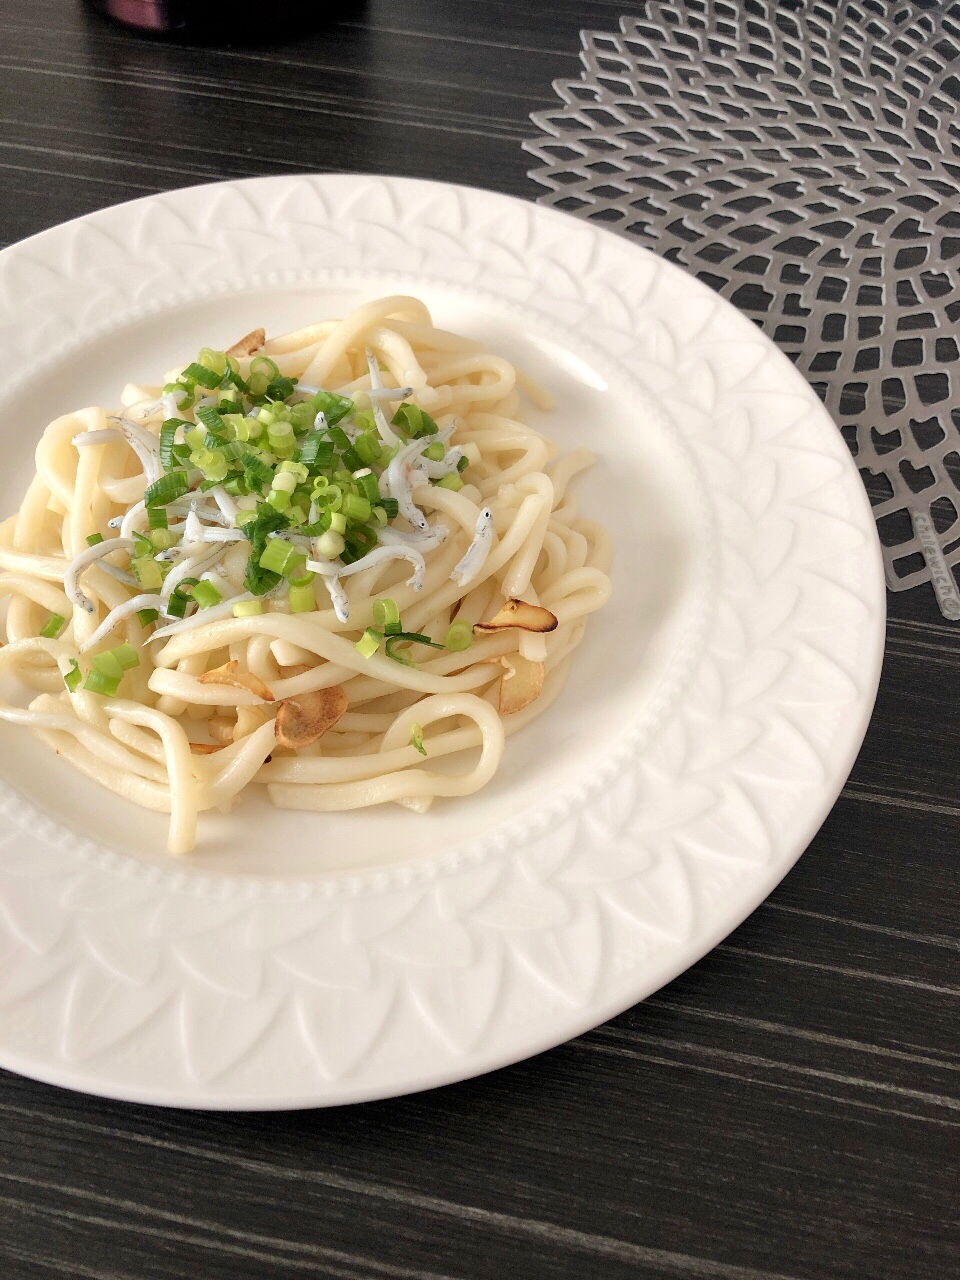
x=139, y=745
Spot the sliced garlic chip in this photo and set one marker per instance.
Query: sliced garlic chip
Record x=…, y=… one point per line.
x=520, y=614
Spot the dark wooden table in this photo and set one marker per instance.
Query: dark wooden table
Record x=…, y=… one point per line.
x=787, y=1108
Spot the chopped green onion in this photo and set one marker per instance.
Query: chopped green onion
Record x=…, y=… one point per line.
x=236, y=424
x=213, y=422
x=264, y=365
x=73, y=677
x=330, y=544
x=416, y=738
x=212, y=462
x=296, y=566
x=271, y=413
x=259, y=580
x=402, y=637
x=368, y=485
x=146, y=616
x=164, y=539
x=147, y=572
x=278, y=499
x=93, y=539
x=255, y=467
x=315, y=451
x=356, y=508
x=100, y=682
x=369, y=642
x=281, y=437
x=167, y=489
x=359, y=540
x=177, y=604
x=53, y=626
x=386, y=616
x=126, y=655
x=302, y=416
x=179, y=600
x=216, y=444
x=184, y=393
x=463, y=463
x=157, y=517
x=367, y=446
x=327, y=495
x=435, y=451
x=332, y=406
x=302, y=599
x=247, y=608
x=206, y=594
x=106, y=664
x=215, y=360
x=459, y=636
x=352, y=459
x=299, y=579
x=168, y=434
x=363, y=420
x=391, y=507
x=452, y=481
x=200, y=373
x=280, y=388
x=277, y=555
x=338, y=522
x=414, y=422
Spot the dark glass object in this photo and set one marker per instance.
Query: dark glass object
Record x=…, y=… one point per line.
x=216, y=20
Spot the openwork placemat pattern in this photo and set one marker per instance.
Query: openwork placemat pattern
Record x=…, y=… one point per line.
x=804, y=160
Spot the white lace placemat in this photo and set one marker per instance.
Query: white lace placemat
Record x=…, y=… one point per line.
x=804, y=160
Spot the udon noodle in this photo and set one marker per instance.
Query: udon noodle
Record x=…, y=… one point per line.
x=325, y=630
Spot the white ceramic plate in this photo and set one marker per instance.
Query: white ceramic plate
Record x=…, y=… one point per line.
x=712, y=714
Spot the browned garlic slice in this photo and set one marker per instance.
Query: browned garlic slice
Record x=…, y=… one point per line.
x=248, y=344
x=303, y=719
x=520, y=614
x=228, y=674
x=520, y=684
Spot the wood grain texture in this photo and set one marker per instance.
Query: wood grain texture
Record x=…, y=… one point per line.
x=789, y=1109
